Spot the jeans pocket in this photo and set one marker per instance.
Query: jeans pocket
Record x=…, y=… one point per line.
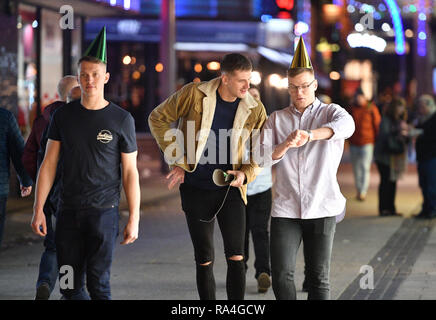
x=329, y=226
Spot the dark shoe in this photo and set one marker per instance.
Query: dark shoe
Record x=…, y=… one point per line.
x=427, y=215
x=263, y=282
x=421, y=215
x=385, y=213
x=43, y=292
x=305, y=288
x=396, y=214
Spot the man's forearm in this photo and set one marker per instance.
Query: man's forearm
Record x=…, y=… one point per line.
x=323, y=133
x=133, y=194
x=280, y=150
x=44, y=182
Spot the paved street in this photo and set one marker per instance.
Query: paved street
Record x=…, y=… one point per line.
x=160, y=266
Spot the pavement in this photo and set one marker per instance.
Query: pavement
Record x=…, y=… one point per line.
x=374, y=258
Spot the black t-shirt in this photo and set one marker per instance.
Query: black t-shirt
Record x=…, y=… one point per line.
x=223, y=118
x=92, y=142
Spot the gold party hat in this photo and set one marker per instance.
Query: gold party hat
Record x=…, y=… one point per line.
x=301, y=57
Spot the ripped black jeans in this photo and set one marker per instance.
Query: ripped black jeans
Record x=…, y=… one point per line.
x=199, y=204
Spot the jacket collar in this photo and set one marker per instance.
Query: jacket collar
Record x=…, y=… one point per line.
x=209, y=88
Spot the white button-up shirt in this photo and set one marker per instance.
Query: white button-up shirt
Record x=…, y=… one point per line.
x=306, y=186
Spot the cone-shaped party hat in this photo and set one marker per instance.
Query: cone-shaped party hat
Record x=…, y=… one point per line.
x=97, y=48
x=301, y=57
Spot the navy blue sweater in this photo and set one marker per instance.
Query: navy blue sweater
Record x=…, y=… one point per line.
x=218, y=146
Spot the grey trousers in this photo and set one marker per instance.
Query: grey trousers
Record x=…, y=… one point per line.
x=317, y=236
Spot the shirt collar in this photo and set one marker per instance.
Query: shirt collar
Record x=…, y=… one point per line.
x=311, y=108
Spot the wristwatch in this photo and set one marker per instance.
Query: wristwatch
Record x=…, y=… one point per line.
x=310, y=135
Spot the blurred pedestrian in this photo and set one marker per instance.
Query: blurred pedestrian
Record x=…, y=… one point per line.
x=258, y=211
x=135, y=105
x=367, y=120
x=206, y=109
x=426, y=156
x=390, y=154
x=305, y=142
x=33, y=154
x=98, y=145
x=11, y=148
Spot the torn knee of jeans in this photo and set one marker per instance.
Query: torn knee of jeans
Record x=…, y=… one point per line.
x=236, y=258
x=208, y=263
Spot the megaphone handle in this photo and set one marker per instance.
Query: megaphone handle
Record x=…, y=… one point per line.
x=222, y=204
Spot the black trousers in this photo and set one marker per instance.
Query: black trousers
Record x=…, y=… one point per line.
x=258, y=213
x=85, y=240
x=386, y=190
x=199, y=204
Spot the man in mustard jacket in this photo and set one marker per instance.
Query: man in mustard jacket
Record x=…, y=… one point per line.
x=215, y=120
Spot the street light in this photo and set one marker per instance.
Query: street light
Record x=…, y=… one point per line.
x=213, y=65
x=159, y=67
x=127, y=59
x=256, y=79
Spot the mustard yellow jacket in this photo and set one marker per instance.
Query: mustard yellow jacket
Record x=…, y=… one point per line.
x=193, y=106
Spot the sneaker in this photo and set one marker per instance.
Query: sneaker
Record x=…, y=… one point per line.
x=43, y=292
x=263, y=282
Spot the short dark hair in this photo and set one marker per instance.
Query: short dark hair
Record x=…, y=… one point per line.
x=235, y=61
x=292, y=72
x=89, y=59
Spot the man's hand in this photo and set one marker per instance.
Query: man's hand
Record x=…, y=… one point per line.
x=131, y=232
x=177, y=175
x=297, y=139
x=239, y=178
x=38, y=224
x=25, y=191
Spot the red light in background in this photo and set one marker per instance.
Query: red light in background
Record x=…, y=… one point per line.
x=285, y=4
x=284, y=15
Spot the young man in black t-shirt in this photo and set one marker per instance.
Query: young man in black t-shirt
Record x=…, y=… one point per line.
x=96, y=139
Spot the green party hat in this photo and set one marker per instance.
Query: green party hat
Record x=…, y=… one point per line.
x=97, y=48
x=301, y=57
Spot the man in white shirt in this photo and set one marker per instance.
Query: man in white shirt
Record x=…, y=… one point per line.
x=305, y=142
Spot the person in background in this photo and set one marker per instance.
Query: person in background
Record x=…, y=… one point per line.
x=426, y=156
x=11, y=148
x=258, y=211
x=390, y=154
x=367, y=119
x=135, y=105
x=33, y=154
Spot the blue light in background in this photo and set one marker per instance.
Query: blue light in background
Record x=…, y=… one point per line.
x=398, y=26
x=422, y=35
x=265, y=17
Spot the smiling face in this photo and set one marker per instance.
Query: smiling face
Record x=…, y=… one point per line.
x=302, y=89
x=92, y=78
x=236, y=83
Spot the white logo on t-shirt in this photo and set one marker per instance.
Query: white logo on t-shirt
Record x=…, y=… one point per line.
x=104, y=136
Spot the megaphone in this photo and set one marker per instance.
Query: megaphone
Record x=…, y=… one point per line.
x=221, y=178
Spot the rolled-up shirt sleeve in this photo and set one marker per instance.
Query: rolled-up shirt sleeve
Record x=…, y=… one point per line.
x=340, y=121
